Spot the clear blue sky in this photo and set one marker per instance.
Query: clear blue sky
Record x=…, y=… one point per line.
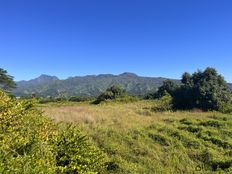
x=147, y=37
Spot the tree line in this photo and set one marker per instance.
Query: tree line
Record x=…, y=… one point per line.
x=206, y=90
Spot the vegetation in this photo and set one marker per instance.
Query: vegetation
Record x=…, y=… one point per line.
x=32, y=143
x=112, y=93
x=127, y=135
x=87, y=85
x=138, y=140
x=43, y=100
x=206, y=90
x=6, y=81
x=163, y=104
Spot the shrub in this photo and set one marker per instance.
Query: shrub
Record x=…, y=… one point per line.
x=31, y=143
x=75, y=154
x=46, y=100
x=226, y=108
x=111, y=93
x=163, y=104
x=26, y=138
x=206, y=90
x=203, y=89
x=79, y=99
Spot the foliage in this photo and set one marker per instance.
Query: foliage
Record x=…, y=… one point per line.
x=225, y=107
x=79, y=99
x=6, y=81
x=75, y=154
x=111, y=93
x=26, y=138
x=168, y=88
x=31, y=143
x=163, y=104
x=47, y=100
x=206, y=90
x=88, y=85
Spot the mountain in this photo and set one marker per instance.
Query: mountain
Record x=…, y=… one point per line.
x=91, y=85
x=42, y=79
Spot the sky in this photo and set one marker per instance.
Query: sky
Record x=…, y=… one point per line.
x=158, y=38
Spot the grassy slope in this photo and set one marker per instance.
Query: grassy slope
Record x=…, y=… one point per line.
x=140, y=141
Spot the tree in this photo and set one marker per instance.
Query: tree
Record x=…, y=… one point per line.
x=203, y=89
x=111, y=93
x=6, y=81
x=167, y=88
x=186, y=79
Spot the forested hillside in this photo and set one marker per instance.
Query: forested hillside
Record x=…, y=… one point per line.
x=91, y=85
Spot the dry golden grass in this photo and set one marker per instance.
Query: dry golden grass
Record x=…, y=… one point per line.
x=124, y=115
x=139, y=140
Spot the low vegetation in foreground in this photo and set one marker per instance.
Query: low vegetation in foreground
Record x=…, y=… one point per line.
x=31, y=143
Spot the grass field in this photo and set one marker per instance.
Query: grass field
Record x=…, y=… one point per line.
x=137, y=140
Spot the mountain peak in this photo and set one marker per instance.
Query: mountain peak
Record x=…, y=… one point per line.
x=45, y=77
x=128, y=74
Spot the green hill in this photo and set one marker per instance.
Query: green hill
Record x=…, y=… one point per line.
x=91, y=85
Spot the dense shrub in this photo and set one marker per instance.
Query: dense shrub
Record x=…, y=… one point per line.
x=79, y=99
x=111, y=93
x=163, y=104
x=31, y=143
x=168, y=88
x=203, y=89
x=206, y=90
x=75, y=154
x=26, y=142
x=225, y=107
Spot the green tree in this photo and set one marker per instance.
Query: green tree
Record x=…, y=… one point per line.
x=203, y=89
x=6, y=81
x=111, y=93
x=186, y=79
x=167, y=88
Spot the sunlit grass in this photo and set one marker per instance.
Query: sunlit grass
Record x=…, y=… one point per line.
x=138, y=140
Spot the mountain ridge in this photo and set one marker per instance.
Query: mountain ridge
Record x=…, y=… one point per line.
x=89, y=85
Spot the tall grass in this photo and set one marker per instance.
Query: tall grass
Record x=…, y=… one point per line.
x=138, y=140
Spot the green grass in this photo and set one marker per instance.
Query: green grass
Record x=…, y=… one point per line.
x=137, y=140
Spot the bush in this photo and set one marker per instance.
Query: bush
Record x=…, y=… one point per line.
x=111, y=93
x=205, y=90
x=46, y=100
x=31, y=143
x=163, y=104
x=226, y=108
x=26, y=138
x=75, y=154
x=79, y=99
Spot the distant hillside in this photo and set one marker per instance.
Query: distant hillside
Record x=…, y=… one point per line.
x=91, y=85
x=37, y=81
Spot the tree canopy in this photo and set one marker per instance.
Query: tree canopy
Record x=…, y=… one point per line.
x=111, y=93
x=206, y=90
x=6, y=81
